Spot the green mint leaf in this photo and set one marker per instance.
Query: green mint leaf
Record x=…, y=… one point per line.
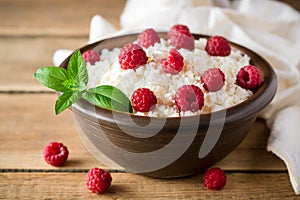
x=67, y=99
x=73, y=83
x=77, y=69
x=70, y=84
x=109, y=97
x=52, y=77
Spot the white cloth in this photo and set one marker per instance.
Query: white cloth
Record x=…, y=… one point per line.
x=284, y=141
x=268, y=27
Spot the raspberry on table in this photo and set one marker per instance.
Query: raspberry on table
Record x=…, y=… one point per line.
x=217, y=46
x=143, y=100
x=213, y=79
x=148, y=38
x=132, y=56
x=98, y=180
x=214, y=179
x=91, y=57
x=173, y=64
x=249, y=77
x=56, y=154
x=189, y=98
x=181, y=37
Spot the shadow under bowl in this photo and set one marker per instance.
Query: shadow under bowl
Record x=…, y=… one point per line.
x=168, y=147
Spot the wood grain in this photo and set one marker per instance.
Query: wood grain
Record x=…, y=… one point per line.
x=129, y=186
x=56, y=17
x=60, y=17
x=25, y=56
x=28, y=123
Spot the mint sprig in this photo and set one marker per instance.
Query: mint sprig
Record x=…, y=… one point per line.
x=109, y=97
x=53, y=78
x=73, y=83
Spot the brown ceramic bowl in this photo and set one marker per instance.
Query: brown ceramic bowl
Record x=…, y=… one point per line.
x=168, y=147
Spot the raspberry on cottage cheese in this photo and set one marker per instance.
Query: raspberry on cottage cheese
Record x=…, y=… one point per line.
x=164, y=85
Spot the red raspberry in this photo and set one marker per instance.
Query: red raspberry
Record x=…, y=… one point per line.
x=90, y=56
x=143, y=99
x=249, y=77
x=213, y=79
x=214, y=179
x=174, y=63
x=132, y=56
x=98, y=180
x=56, y=154
x=217, y=46
x=181, y=37
x=189, y=98
x=182, y=41
x=148, y=38
x=179, y=28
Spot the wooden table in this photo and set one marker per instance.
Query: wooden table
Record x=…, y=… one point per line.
x=30, y=32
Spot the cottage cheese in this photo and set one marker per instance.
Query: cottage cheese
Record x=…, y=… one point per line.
x=164, y=85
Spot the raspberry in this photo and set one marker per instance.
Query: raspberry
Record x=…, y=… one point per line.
x=132, y=56
x=148, y=38
x=181, y=37
x=214, y=179
x=249, y=77
x=90, y=56
x=98, y=180
x=143, y=99
x=174, y=63
x=179, y=28
x=217, y=46
x=189, y=98
x=213, y=79
x=182, y=41
x=56, y=154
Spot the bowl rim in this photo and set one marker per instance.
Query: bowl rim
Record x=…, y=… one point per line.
x=248, y=108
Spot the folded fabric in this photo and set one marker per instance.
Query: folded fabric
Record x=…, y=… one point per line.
x=270, y=28
x=284, y=141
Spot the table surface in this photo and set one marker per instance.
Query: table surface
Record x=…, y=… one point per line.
x=30, y=31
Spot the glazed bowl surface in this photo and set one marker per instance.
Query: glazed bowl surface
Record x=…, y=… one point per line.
x=174, y=146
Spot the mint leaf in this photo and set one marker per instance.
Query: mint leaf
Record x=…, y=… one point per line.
x=66, y=100
x=70, y=84
x=109, y=97
x=52, y=77
x=77, y=69
x=73, y=83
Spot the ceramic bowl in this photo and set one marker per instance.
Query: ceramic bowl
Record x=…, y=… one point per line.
x=168, y=147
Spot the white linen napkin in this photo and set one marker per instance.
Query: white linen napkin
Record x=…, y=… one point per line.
x=268, y=27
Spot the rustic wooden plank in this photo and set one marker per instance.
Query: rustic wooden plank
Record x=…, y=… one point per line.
x=36, y=18
x=56, y=17
x=21, y=57
x=129, y=186
x=28, y=123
